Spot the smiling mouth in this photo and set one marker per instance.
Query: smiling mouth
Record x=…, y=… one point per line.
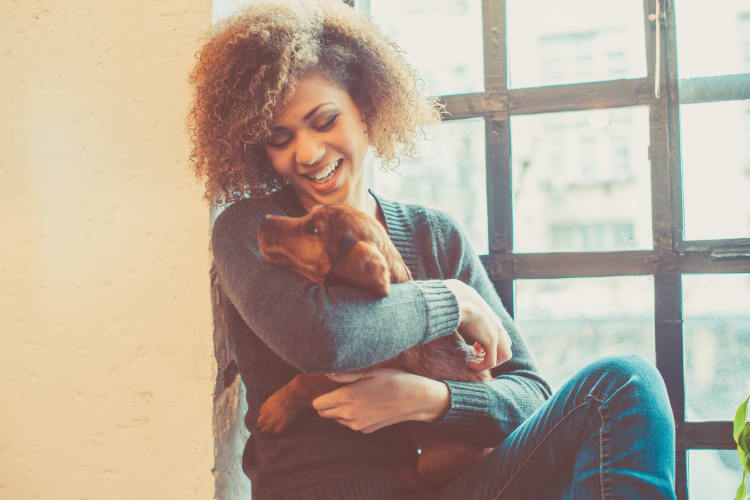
x=326, y=174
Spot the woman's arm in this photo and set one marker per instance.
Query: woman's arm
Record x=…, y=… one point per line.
x=483, y=412
x=486, y=413
x=321, y=328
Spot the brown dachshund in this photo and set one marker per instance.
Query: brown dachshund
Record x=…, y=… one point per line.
x=341, y=243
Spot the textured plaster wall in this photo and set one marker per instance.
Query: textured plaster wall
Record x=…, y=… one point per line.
x=106, y=367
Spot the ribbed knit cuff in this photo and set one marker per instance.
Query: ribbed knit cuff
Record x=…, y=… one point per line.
x=469, y=400
x=442, y=308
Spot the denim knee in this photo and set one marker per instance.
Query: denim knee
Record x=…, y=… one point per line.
x=632, y=377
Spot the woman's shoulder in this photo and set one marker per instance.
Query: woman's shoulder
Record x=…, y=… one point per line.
x=424, y=218
x=431, y=230
x=281, y=202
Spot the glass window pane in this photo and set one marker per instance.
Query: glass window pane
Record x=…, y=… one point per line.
x=442, y=39
x=713, y=474
x=571, y=322
x=712, y=42
x=581, y=181
x=575, y=41
x=225, y=8
x=715, y=145
x=449, y=175
x=716, y=309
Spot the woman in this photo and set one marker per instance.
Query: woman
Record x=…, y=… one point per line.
x=288, y=100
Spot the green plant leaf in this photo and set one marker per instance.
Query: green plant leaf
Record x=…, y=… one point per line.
x=741, y=435
x=739, y=420
x=744, y=440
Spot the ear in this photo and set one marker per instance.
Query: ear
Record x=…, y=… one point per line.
x=401, y=273
x=364, y=267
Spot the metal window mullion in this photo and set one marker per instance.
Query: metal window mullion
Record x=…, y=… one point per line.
x=668, y=281
x=709, y=435
x=551, y=99
x=710, y=245
x=494, y=108
x=669, y=360
x=719, y=88
x=673, y=123
x=497, y=132
x=711, y=263
x=581, y=96
x=579, y=264
x=494, y=43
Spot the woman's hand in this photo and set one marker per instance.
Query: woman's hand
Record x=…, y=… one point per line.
x=478, y=321
x=383, y=397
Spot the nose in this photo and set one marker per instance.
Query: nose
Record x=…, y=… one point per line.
x=310, y=150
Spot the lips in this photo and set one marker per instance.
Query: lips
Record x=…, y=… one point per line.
x=324, y=174
x=325, y=179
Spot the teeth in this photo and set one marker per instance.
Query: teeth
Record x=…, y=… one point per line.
x=325, y=173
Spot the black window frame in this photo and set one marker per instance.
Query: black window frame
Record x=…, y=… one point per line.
x=671, y=256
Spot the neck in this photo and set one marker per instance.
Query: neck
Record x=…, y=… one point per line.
x=364, y=201
x=359, y=198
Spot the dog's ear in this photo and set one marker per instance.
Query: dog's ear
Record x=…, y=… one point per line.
x=363, y=266
x=401, y=273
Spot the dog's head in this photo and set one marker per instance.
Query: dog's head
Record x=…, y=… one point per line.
x=334, y=242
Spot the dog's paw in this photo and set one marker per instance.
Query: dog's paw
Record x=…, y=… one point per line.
x=379, y=276
x=274, y=417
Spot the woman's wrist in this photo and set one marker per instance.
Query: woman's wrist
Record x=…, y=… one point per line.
x=436, y=400
x=465, y=297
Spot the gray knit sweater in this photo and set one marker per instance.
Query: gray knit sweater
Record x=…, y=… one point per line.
x=287, y=324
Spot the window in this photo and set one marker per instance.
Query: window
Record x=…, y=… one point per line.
x=594, y=237
x=589, y=184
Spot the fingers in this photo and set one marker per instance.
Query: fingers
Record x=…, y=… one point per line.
x=504, y=352
x=333, y=414
x=494, y=354
x=479, y=321
x=331, y=400
x=489, y=360
x=324, y=402
x=344, y=416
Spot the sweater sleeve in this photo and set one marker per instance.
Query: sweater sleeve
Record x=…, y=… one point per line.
x=487, y=412
x=321, y=328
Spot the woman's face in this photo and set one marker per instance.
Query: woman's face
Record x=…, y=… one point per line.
x=318, y=143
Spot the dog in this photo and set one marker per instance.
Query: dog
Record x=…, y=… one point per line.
x=339, y=243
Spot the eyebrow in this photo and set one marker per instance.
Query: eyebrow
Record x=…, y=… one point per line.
x=307, y=116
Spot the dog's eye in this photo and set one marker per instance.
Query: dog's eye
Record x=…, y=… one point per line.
x=311, y=228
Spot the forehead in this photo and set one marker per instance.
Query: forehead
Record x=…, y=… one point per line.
x=313, y=91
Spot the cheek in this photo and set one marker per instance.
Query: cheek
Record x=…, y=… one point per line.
x=357, y=144
x=363, y=140
x=277, y=161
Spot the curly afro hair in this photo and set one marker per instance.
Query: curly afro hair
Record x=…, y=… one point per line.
x=249, y=66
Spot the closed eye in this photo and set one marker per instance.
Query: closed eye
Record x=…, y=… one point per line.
x=279, y=140
x=328, y=124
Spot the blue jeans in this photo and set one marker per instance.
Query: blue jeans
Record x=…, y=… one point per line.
x=608, y=433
